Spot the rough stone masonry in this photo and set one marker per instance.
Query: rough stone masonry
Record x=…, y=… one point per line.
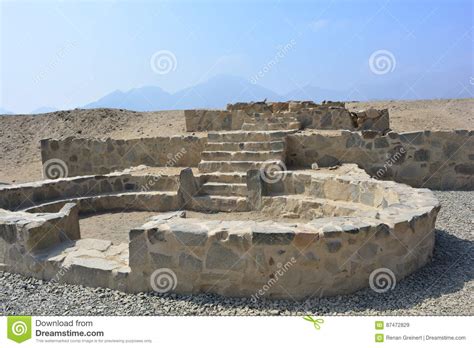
x=297, y=161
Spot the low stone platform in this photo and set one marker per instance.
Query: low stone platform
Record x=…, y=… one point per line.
x=346, y=225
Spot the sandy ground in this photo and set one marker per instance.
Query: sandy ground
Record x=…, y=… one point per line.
x=20, y=157
x=113, y=226
x=116, y=226
x=20, y=136
x=438, y=114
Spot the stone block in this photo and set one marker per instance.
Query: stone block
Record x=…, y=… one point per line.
x=189, y=263
x=333, y=246
x=161, y=261
x=188, y=187
x=271, y=235
x=421, y=155
x=189, y=234
x=254, y=189
x=222, y=258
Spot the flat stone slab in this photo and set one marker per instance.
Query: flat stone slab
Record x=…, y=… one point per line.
x=93, y=253
x=96, y=263
x=191, y=234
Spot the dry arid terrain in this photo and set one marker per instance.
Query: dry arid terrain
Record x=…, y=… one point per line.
x=20, y=135
x=442, y=287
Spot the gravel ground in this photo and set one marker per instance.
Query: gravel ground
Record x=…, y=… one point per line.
x=444, y=287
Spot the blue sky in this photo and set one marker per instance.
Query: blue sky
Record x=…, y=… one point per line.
x=69, y=53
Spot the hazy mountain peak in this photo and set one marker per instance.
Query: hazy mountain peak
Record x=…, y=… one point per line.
x=43, y=110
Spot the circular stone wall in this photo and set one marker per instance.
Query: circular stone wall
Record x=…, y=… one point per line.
x=353, y=227
x=359, y=226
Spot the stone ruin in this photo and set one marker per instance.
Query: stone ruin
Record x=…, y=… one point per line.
x=298, y=199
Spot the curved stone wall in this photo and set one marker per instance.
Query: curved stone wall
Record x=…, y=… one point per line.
x=23, y=196
x=433, y=159
x=326, y=256
x=354, y=225
x=39, y=221
x=81, y=156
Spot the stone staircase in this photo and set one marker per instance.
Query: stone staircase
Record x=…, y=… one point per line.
x=229, y=155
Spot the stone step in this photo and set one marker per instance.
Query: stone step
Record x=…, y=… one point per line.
x=242, y=155
x=219, y=203
x=233, y=166
x=230, y=178
x=246, y=136
x=247, y=146
x=271, y=126
x=223, y=189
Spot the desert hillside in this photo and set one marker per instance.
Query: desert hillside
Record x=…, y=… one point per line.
x=437, y=114
x=20, y=135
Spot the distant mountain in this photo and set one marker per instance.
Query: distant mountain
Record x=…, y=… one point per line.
x=213, y=93
x=146, y=98
x=5, y=112
x=220, y=90
x=43, y=110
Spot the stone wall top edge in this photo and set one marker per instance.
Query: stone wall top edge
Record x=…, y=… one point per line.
x=326, y=227
x=28, y=218
x=121, y=174
x=412, y=198
x=333, y=132
x=108, y=139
